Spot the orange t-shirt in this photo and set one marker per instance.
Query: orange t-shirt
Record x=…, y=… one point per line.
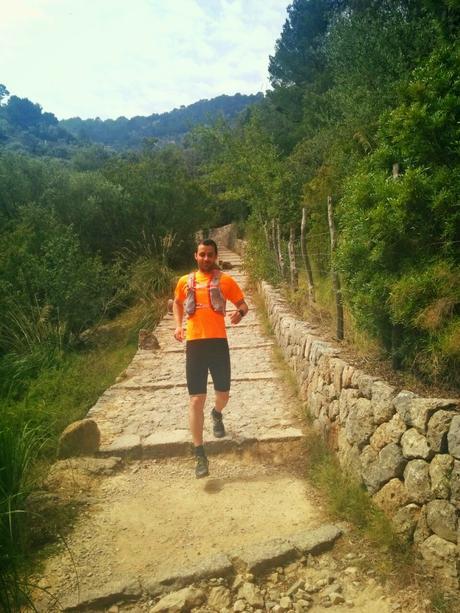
x=205, y=322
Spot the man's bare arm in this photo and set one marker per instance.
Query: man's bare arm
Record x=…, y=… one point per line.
x=178, y=312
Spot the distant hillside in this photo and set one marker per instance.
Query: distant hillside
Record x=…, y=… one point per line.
x=123, y=133
x=24, y=127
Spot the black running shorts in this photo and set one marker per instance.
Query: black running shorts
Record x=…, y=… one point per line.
x=206, y=354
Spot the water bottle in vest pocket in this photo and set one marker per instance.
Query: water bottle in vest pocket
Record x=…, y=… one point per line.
x=216, y=298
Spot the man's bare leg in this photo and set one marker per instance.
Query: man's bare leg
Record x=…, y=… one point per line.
x=221, y=401
x=196, y=418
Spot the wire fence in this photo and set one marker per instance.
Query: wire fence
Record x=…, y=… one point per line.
x=293, y=251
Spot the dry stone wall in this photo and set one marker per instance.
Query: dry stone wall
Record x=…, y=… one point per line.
x=226, y=235
x=404, y=448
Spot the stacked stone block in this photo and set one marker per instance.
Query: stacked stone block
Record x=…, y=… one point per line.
x=404, y=448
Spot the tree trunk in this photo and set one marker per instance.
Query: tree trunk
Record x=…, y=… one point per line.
x=335, y=277
x=305, y=257
x=292, y=262
x=279, y=248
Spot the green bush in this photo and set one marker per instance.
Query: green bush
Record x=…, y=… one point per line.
x=425, y=300
x=49, y=293
x=42, y=266
x=399, y=236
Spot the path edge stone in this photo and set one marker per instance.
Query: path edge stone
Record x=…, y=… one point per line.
x=257, y=559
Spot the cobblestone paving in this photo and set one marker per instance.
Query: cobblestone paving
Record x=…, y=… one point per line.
x=145, y=414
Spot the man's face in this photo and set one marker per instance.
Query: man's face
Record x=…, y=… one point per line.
x=205, y=257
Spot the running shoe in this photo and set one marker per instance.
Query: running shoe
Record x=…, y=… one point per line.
x=217, y=424
x=201, y=467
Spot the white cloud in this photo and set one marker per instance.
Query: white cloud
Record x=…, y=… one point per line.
x=22, y=11
x=111, y=57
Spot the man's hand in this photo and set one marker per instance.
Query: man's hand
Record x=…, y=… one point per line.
x=236, y=316
x=179, y=334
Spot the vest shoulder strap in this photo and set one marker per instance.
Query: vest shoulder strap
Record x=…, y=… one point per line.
x=191, y=281
x=215, y=279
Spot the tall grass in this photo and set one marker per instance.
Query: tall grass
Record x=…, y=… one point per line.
x=14, y=590
x=149, y=280
x=29, y=342
x=19, y=449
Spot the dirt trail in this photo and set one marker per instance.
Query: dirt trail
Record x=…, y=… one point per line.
x=149, y=527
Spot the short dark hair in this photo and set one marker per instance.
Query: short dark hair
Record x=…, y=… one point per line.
x=208, y=242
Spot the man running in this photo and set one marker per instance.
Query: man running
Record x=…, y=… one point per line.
x=202, y=295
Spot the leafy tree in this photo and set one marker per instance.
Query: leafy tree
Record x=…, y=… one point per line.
x=93, y=157
x=165, y=199
x=4, y=93
x=22, y=180
x=299, y=57
x=399, y=242
x=41, y=265
x=23, y=113
x=369, y=53
x=98, y=210
x=447, y=15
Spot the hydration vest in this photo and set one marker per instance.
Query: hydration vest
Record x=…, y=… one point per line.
x=216, y=298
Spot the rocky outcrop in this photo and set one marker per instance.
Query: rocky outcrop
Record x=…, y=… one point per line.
x=404, y=448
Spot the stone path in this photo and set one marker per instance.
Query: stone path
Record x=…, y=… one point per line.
x=145, y=415
x=248, y=538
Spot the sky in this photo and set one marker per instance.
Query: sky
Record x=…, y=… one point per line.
x=107, y=58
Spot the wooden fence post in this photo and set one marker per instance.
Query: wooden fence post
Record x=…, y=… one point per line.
x=335, y=276
x=305, y=256
x=292, y=262
x=267, y=236
x=274, y=247
x=279, y=248
x=396, y=330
